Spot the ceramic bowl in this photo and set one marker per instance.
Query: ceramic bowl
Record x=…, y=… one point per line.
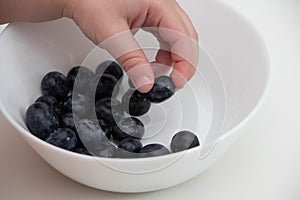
x=232, y=79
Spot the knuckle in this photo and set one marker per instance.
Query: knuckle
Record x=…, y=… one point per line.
x=130, y=60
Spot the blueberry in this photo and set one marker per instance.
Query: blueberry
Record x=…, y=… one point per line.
x=152, y=150
x=68, y=121
x=106, y=150
x=91, y=134
x=103, y=86
x=82, y=79
x=111, y=68
x=63, y=137
x=129, y=127
x=135, y=103
x=79, y=104
x=55, y=84
x=184, y=140
x=162, y=90
x=108, y=111
x=41, y=120
x=51, y=102
x=130, y=146
x=81, y=150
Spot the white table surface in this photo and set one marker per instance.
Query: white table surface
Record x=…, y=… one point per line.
x=263, y=164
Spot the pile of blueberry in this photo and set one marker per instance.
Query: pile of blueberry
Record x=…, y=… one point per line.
x=62, y=115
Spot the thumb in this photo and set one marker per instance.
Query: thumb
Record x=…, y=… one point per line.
x=122, y=45
x=138, y=69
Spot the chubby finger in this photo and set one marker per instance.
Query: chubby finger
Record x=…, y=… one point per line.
x=122, y=45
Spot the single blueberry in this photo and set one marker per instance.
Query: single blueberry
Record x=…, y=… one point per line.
x=41, y=120
x=55, y=84
x=106, y=150
x=135, y=103
x=162, y=90
x=111, y=68
x=152, y=150
x=103, y=86
x=50, y=101
x=79, y=104
x=130, y=145
x=68, y=121
x=129, y=127
x=184, y=140
x=108, y=111
x=90, y=134
x=82, y=78
x=63, y=137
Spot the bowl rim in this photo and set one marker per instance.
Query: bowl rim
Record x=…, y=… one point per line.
x=266, y=87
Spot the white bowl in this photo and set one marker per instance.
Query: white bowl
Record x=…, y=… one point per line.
x=28, y=51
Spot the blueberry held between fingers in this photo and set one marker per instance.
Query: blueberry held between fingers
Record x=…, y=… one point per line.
x=82, y=75
x=129, y=127
x=41, y=120
x=111, y=68
x=108, y=111
x=184, y=140
x=162, y=90
x=50, y=101
x=135, y=103
x=63, y=137
x=55, y=84
x=152, y=150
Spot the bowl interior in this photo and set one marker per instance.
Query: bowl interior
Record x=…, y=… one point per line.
x=29, y=51
x=199, y=107
x=238, y=50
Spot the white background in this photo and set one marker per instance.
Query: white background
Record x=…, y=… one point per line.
x=264, y=163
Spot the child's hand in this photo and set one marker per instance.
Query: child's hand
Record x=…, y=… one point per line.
x=102, y=19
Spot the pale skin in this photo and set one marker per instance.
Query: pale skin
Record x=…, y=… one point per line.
x=102, y=19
